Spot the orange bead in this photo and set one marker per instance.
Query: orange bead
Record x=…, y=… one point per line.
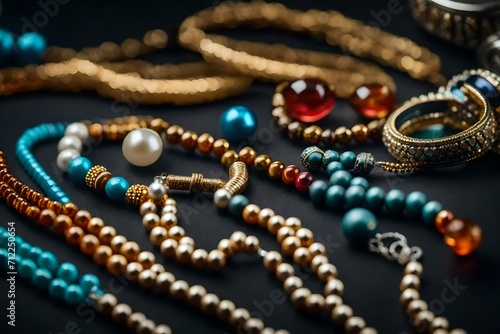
x=74, y=235
x=276, y=169
x=47, y=217
x=373, y=101
x=62, y=223
x=220, y=147
x=462, y=236
x=189, y=140
x=247, y=155
x=205, y=143
x=290, y=173
x=33, y=213
x=82, y=218
x=443, y=218
x=70, y=209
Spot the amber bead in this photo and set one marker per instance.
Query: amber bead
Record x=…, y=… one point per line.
x=47, y=218
x=312, y=134
x=205, y=143
x=70, y=209
x=373, y=101
x=229, y=157
x=74, y=235
x=189, y=140
x=62, y=223
x=174, y=134
x=290, y=173
x=276, y=169
x=89, y=244
x=247, y=155
x=82, y=218
x=251, y=214
x=33, y=213
x=443, y=218
x=360, y=133
x=463, y=236
x=262, y=163
x=220, y=147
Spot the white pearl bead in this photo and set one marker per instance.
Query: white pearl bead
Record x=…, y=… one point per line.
x=65, y=157
x=156, y=190
x=77, y=129
x=72, y=142
x=142, y=147
x=221, y=198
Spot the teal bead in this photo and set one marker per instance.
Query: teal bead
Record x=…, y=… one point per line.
x=414, y=203
x=7, y=48
x=347, y=159
x=341, y=178
x=34, y=253
x=354, y=197
x=359, y=225
x=78, y=169
x=57, y=288
x=48, y=261
x=18, y=241
x=89, y=283
x=41, y=278
x=68, y=272
x=238, y=123
x=31, y=47
x=317, y=191
x=430, y=211
x=333, y=167
x=116, y=188
x=334, y=197
x=360, y=181
x=375, y=198
x=73, y=294
x=236, y=205
x=4, y=238
x=315, y=159
x=329, y=156
x=27, y=268
x=395, y=201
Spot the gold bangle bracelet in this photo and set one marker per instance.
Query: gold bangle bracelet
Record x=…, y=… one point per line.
x=476, y=118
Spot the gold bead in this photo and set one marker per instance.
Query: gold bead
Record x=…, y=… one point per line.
x=106, y=234
x=262, y=163
x=251, y=214
x=299, y=296
x=186, y=241
x=220, y=147
x=354, y=325
x=272, y=260
x=341, y=313
x=168, y=247
x=164, y=280
x=301, y=256
x=195, y=294
x=134, y=320
x=176, y=233
x=132, y=271
x=439, y=323
x=292, y=283
x=117, y=242
x=334, y=287
x=229, y=157
x=416, y=306
x=226, y=247
x=225, y=309
x=174, y=134
x=120, y=313
x=95, y=225
x=247, y=155
x=89, y=244
x=205, y=143
x=147, y=279
x=285, y=232
x=407, y=296
x=106, y=304
x=150, y=220
x=317, y=261
x=238, y=317
x=315, y=303
x=189, y=140
x=422, y=320
x=317, y=248
x=116, y=264
x=92, y=175
x=409, y=281
x=415, y=268
x=275, y=170
x=283, y=271
x=294, y=223
x=157, y=268
x=168, y=220
x=199, y=258
x=137, y=194
x=360, y=133
x=209, y=303
x=158, y=235
x=183, y=253
x=263, y=217
x=178, y=289
x=74, y=235
x=146, y=259
x=238, y=241
x=252, y=244
x=216, y=260
x=102, y=254
x=305, y=236
x=312, y=134
x=332, y=301
x=326, y=272
x=130, y=250
x=343, y=135
x=275, y=223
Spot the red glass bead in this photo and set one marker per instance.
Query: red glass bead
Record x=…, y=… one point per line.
x=463, y=236
x=289, y=174
x=308, y=100
x=303, y=181
x=373, y=101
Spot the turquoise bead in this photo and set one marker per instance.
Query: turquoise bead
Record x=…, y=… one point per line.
x=334, y=197
x=360, y=181
x=236, y=205
x=68, y=272
x=116, y=188
x=41, y=278
x=27, y=268
x=341, y=178
x=18, y=241
x=238, y=123
x=347, y=159
x=430, y=211
x=7, y=48
x=78, y=169
x=375, y=198
x=73, y=294
x=333, y=167
x=329, y=156
x=414, y=203
x=354, y=197
x=315, y=159
x=35, y=253
x=89, y=282
x=317, y=191
x=395, y=201
x=4, y=238
x=48, y=261
x=57, y=288
x=359, y=225
x=31, y=47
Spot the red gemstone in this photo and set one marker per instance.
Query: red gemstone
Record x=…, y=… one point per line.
x=290, y=173
x=308, y=100
x=303, y=181
x=373, y=101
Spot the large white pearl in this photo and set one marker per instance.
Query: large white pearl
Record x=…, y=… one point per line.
x=77, y=129
x=72, y=142
x=65, y=157
x=142, y=147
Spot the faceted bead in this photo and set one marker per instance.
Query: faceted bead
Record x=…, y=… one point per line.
x=308, y=100
x=359, y=225
x=373, y=101
x=462, y=236
x=442, y=219
x=303, y=181
x=290, y=173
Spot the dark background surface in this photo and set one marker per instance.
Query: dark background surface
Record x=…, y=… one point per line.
x=372, y=283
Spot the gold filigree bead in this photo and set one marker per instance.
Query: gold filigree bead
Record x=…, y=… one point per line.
x=92, y=175
x=137, y=194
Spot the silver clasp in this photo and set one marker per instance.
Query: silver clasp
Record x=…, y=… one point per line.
x=394, y=247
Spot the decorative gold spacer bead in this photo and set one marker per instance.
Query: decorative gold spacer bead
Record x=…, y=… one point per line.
x=137, y=194
x=92, y=175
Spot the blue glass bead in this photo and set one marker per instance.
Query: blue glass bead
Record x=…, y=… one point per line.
x=18, y=241
x=334, y=197
x=4, y=238
x=347, y=159
x=359, y=225
x=354, y=197
x=333, y=167
x=315, y=159
x=68, y=272
x=329, y=156
x=414, y=203
x=238, y=123
x=31, y=47
x=375, y=198
x=27, y=268
x=57, y=288
x=485, y=87
x=430, y=211
x=317, y=191
x=48, y=261
x=395, y=201
x=236, y=205
x=78, y=169
x=41, y=278
x=7, y=47
x=360, y=181
x=341, y=178
x=89, y=282
x=4, y=256
x=116, y=188
x=17, y=260
x=73, y=294
x=35, y=253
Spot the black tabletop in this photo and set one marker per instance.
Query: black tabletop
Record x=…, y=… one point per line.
x=463, y=289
